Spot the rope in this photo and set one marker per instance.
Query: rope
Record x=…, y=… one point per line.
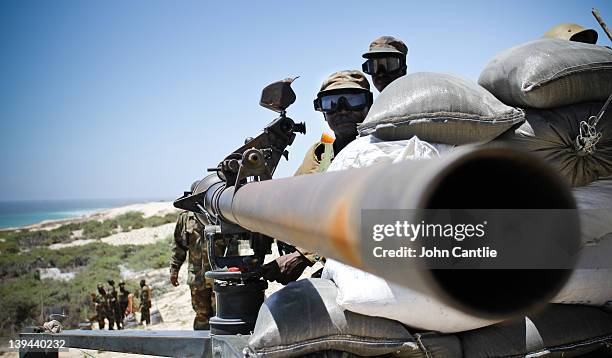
x=589, y=136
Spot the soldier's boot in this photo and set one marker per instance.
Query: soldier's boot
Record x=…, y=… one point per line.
x=111, y=323
x=200, y=323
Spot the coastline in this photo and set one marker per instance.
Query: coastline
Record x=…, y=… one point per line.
x=150, y=208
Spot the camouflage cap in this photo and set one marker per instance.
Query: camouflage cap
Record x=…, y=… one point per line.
x=386, y=44
x=349, y=79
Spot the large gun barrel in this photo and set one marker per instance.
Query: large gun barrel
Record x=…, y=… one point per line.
x=323, y=212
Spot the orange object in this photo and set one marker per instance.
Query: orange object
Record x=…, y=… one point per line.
x=233, y=269
x=326, y=138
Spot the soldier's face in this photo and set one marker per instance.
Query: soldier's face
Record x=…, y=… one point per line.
x=382, y=80
x=344, y=123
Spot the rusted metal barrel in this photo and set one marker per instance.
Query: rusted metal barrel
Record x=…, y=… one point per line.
x=322, y=213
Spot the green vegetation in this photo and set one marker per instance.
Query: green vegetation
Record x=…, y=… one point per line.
x=23, y=293
x=15, y=241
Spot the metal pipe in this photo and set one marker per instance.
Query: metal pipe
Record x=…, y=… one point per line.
x=322, y=213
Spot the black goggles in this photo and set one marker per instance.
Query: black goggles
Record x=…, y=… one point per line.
x=330, y=103
x=379, y=65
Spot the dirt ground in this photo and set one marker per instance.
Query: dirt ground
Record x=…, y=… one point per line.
x=174, y=305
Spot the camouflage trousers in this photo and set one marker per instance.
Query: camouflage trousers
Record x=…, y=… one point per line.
x=118, y=317
x=145, y=314
x=111, y=320
x=203, y=303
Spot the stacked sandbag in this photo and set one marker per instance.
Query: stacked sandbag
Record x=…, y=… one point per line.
x=557, y=331
x=303, y=318
x=562, y=85
x=553, y=134
x=549, y=73
x=591, y=281
x=438, y=108
x=383, y=298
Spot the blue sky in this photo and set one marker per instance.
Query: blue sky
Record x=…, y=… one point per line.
x=119, y=99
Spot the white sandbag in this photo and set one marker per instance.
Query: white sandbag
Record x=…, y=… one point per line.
x=382, y=298
x=369, y=150
x=592, y=286
x=548, y=73
x=362, y=292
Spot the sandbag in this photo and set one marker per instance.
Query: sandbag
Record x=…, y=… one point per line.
x=386, y=299
x=303, y=318
x=438, y=108
x=369, y=150
x=383, y=298
x=551, y=134
x=591, y=283
x=548, y=73
x=557, y=331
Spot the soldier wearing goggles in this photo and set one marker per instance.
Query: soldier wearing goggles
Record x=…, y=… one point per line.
x=345, y=100
x=385, y=61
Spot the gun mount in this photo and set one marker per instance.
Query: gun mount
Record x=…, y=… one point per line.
x=238, y=284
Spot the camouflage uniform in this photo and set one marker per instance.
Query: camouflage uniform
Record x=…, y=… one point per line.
x=312, y=160
x=123, y=300
x=105, y=307
x=100, y=311
x=145, y=304
x=189, y=241
x=113, y=304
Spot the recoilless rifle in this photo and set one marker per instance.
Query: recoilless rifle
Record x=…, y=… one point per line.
x=239, y=285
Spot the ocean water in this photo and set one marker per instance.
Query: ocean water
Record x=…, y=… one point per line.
x=20, y=213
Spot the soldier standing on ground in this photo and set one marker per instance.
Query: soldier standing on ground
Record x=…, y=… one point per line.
x=190, y=243
x=145, y=302
x=344, y=100
x=113, y=302
x=123, y=300
x=385, y=61
x=99, y=309
x=104, y=306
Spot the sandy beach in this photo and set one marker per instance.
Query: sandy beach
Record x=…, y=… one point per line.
x=148, y=209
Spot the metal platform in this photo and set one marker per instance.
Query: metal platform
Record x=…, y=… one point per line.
x=159, y=343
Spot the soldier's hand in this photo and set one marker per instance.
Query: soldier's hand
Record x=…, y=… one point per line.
x=174, y=279
x=285, y=268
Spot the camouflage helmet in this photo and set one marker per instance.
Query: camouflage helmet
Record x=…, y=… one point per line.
x=348, y=79
x=111, y=282
x=142, y=283
x=121, y=283
x=386, y=44
x=572, y=32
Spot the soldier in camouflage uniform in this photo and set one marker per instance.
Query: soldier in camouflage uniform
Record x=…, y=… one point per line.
x=105, y=308
x=145, y=302
x=99, y=309
x=190, y=241
x=113, y=303
x=123, y=299
x=345, y=100
x=385, y=61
